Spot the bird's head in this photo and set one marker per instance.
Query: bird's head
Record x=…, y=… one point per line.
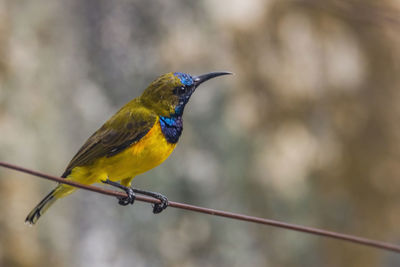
x=169, y=93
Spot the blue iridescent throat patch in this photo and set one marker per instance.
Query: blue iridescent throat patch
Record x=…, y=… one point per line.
x=171, y=128
x=186, y=79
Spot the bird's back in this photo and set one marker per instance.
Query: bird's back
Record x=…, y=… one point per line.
x=129, y=143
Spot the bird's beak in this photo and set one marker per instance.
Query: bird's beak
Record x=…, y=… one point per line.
x=205, y=77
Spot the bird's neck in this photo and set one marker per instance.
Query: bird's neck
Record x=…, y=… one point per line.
x=171, y=127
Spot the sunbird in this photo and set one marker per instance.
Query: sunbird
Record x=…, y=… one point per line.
x=139, y=137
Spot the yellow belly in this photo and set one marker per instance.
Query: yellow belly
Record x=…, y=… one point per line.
x=142, y=156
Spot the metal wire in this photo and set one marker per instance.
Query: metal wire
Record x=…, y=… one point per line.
x=231, y=215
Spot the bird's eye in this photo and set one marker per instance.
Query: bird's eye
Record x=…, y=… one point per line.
x=180, y=90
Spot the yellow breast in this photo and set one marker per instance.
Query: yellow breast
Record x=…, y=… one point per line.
x=147, y=153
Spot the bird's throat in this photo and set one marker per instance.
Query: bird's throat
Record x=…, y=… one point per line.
x=171, y=128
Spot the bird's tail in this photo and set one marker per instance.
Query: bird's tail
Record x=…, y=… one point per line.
x=46, y=203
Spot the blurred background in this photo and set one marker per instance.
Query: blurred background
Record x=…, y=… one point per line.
x=307, y=130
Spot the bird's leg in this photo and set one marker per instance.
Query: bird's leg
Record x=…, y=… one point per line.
x=130, y=191
x=158, y=207
x=130, y=199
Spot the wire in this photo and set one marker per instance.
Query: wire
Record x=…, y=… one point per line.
x=231, y=215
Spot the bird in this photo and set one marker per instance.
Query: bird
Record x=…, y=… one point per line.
x=139, y=137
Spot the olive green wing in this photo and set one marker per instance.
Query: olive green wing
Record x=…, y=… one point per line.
x=125, y=128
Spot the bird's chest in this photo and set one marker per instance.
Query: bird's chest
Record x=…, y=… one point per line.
x=142, y=156
x=151, y=150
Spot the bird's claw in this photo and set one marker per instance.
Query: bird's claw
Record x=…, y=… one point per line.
x=159, y=207
x=129, y=199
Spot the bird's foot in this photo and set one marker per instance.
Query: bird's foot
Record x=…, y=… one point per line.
x=130, y=199
x=158, y=207
x=130, y=191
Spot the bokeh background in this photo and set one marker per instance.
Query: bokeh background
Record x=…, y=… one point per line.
x=307, y=131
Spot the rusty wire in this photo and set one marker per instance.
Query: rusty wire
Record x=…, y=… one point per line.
x=231, y=215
